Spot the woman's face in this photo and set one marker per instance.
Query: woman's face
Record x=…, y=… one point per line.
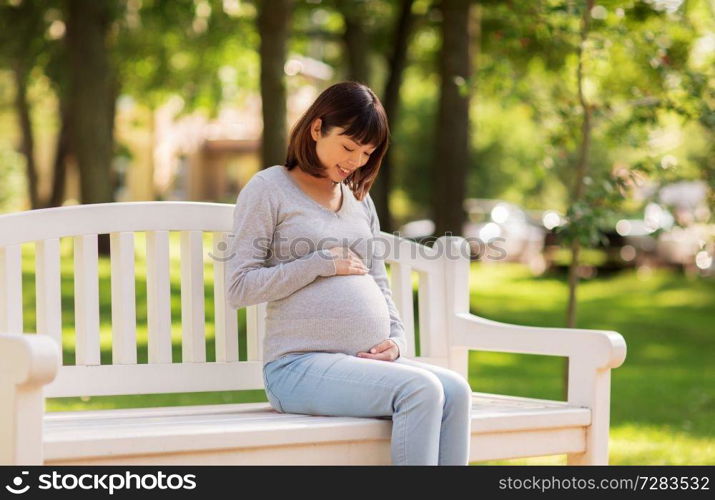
x=339, y=154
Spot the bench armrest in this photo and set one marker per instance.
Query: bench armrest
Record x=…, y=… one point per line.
x=27, y=364
x=604, y=348
x=28, y=360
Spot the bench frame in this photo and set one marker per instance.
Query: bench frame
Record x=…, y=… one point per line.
x=31, y=365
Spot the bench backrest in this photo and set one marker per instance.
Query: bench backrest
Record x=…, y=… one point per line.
x=83, y=223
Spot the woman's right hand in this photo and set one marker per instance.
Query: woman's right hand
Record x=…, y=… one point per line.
x=347, y=261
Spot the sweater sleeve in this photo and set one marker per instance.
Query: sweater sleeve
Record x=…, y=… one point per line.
x=249, y=280
x=379, y=274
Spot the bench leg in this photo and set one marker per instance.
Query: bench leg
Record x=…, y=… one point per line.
x=592, y=388
x=597, y=454
x=21, y=416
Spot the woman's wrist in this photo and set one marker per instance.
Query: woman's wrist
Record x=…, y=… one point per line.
x=396, y=345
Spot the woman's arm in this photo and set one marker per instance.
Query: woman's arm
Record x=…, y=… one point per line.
x=249, y=280
x=379, y=274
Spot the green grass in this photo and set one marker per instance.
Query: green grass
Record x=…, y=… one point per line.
x=663, y=401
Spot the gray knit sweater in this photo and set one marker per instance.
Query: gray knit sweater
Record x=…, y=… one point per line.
x=278, y=254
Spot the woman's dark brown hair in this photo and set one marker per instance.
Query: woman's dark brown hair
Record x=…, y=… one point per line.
x=354, y=107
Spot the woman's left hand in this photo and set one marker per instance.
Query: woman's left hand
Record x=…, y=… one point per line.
x=386, y=350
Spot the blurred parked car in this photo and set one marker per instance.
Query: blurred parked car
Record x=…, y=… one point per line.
x=673, y=230
x=502, y=231
x=497, y=231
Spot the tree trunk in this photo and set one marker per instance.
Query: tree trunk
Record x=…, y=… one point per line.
x=27, y=141
x=273, y=27
x=391, y=101
x=91, y=96
x=114, y=90
x=581, y=166
x=62, y=150
x=356, y=39
x=573, y=284
x=452, y=149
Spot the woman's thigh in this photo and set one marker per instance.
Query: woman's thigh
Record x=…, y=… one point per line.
x=337, y=384
x=454, y=384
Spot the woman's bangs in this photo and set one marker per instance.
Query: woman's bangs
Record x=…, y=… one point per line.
x=367, y=129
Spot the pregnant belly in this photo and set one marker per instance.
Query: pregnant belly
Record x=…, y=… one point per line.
x=335, y=313
x=339, y=297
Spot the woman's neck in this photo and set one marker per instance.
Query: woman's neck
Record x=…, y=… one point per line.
x=325, y=185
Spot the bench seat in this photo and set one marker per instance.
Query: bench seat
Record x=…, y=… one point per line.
x=254, y=433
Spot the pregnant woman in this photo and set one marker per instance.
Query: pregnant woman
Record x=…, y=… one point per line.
x=305, y=241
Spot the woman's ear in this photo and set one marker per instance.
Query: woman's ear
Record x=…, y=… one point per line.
x=315, y=128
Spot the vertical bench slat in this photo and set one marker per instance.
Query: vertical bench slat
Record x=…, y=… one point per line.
x=158, y=296
x=11, y=289
x=225, y=317
x=432, y=323
x=124, y=316
x=256, y=326
x=193, y=342
x=48, y=288
x=86, y=300
x=401, y=286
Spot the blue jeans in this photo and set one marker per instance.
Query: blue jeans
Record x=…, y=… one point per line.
x=430, y=406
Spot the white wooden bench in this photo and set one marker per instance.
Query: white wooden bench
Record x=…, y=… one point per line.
x=31, y=367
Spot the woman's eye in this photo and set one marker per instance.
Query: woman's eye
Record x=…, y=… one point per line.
x=351, y=150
